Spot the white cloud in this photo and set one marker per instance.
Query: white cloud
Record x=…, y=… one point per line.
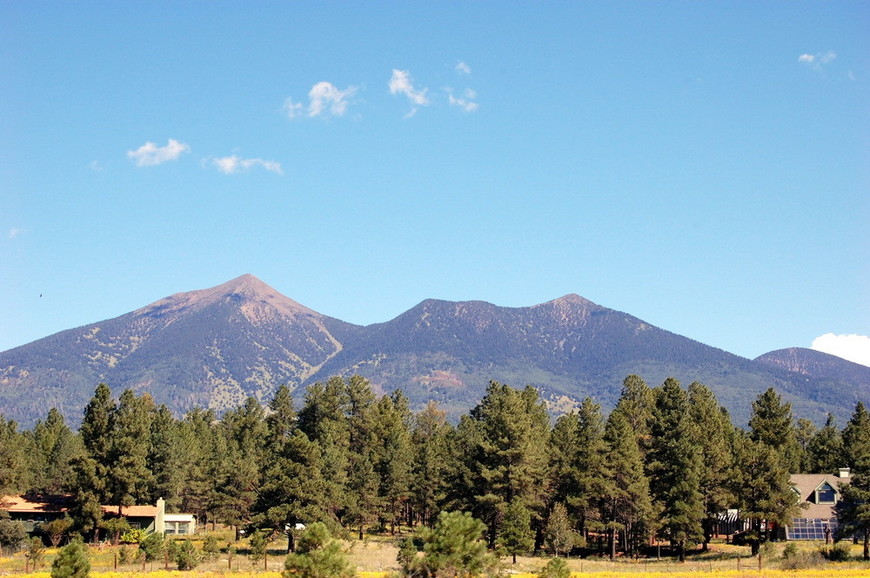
x=816, y=61
x=402, y=83
x=325, y=95
x=234, y=164
x=293, y=109
x=463, y=68
x=324, y=99
x=15, y=232
x=466, y=102
x=149, y=154
x=855, y=348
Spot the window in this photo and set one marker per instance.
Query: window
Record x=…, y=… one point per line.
x=826, y=494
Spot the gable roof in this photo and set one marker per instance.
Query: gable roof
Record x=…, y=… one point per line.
x=807, y=484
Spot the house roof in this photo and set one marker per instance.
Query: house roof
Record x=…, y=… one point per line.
x=37, y=504
x=25, y=504
x=807, y=484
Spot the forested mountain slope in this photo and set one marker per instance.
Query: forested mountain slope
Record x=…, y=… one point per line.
x=212, y=348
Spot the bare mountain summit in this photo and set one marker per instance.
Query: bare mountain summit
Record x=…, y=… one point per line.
x=214, y=347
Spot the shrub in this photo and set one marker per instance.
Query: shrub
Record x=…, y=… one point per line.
x=35, y=552
x=839, y=552
x=184, y=554
x=12, y=533
x=71, y=562
x=318, y=555
x=133, y=536
x=124, y=555
x=790, y=550
x=210, y=547
x=152, y=546
x=555, y=568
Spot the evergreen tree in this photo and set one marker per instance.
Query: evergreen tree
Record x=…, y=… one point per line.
x=713, y=430
x=508, y=458
x=856, y=439
x=363, y=490
x=772, y=424
x=559, y=533
x=393, y=455
x=323, y=419
x=71, y=562
x=636, y=404
x=577, y=467
x=318, y=556
x=762, y=486
x=516, y=536
x=165, y=459
x=281, y=421
x=675, y=467
x=825, y=452
x=627, y=507
x=129, y=476
x=244, y=433
x=198, y=444
x=452, y=548
x=12, y=458
x=429, y=469
x=52, y=447
x=805, y=431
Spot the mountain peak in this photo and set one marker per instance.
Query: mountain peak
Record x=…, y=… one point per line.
x=246, y=290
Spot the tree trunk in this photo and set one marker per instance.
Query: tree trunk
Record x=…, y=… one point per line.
x=867, y=544
x=612, y=543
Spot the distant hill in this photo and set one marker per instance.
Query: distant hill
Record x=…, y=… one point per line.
x=214, y=347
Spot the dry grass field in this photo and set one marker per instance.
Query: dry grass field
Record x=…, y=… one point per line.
x=375, y=557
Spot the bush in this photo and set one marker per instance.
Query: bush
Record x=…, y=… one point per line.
x=839, y=552
x=790, y=550
x=152, y=546
x=210, y=547
x=184, y=554
x=35, y=552
x=555, y=568
x=71, y=562
x=318, y=555
x=795, y=559
x=12, y=533
x=133, y=536
x=124, y=556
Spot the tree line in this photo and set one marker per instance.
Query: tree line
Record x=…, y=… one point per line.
x=666, y=462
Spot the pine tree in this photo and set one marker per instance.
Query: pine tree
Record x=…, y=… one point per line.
x=52, y=447
x=627, y=507
x=12, y=458
x=363, y=490
x=129, y=476
x=318, y=556
x=856, y=439
x=675, y=467
x=393, y=455
x=509, y=457
x=713, y=429
x=323, y=419
x=577, y=468
x=559, y=533
x=772, y=424
x=167, y=463
x=825, y=452
x=71, y=562
x=244, y=433
x=516, y=536
x=762, y=486
x=430, y=462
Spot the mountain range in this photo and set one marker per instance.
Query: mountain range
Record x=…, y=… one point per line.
x=215, y=347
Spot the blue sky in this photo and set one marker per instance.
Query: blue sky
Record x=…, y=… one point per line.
x=704, y=166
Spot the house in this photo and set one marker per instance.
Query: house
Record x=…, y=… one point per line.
x=35, y=510
x=819, y=493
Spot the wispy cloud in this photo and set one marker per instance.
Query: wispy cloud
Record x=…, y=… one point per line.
x=15, y=232
x=817, y=61
x=855, y=348
x=463, y=68
x=324, y=99
x=402, y=83
x=465, y=102
x=149, y=154
x=235, y=164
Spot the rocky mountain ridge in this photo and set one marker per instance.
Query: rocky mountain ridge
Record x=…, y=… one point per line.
x=214, y=347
